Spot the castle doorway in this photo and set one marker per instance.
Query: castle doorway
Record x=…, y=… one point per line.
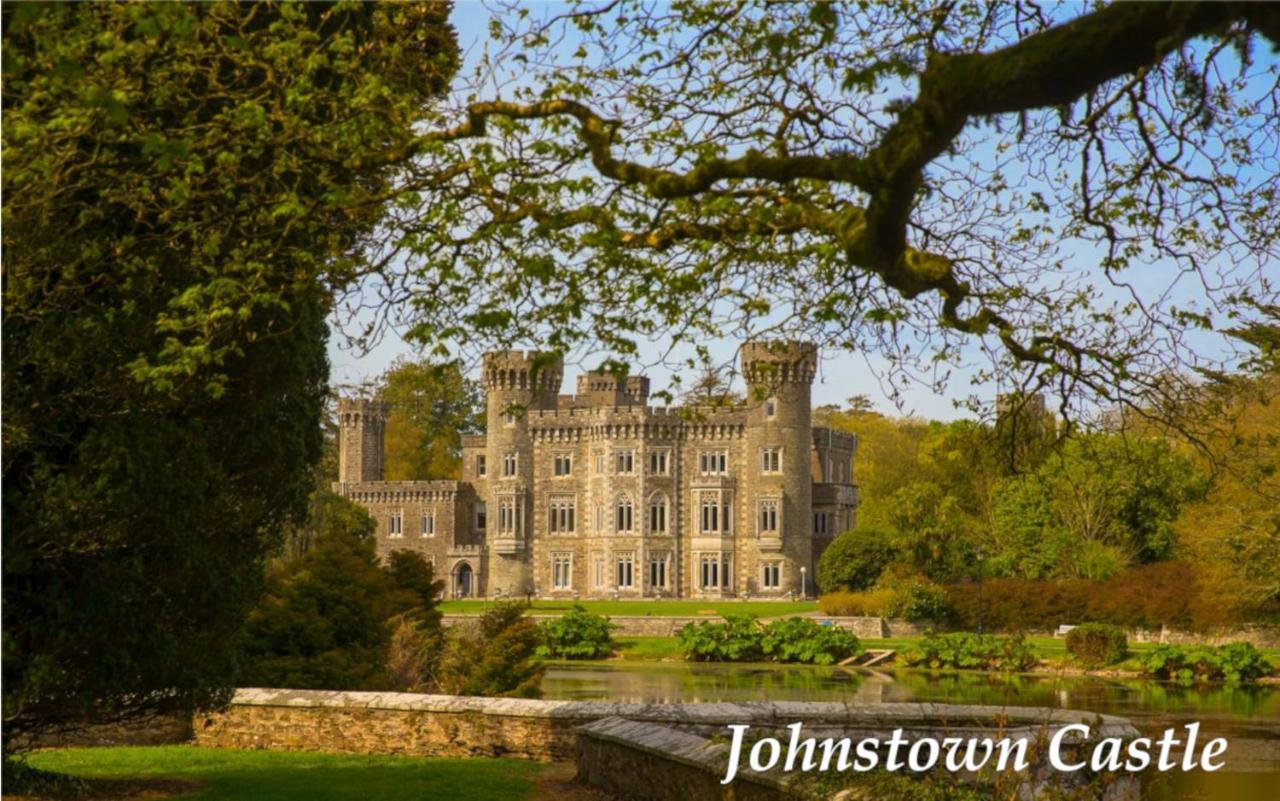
x=463, y=581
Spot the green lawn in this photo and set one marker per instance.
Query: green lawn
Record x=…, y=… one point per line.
x=282, y=776
x=648, y=649
x=650, y=608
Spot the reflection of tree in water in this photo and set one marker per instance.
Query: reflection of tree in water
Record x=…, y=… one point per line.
x=1112, y=696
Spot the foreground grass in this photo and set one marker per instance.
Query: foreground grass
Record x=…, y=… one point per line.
x=226, y=774
x=650, y=608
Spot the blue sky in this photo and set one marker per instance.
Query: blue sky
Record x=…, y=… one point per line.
x=841, y=374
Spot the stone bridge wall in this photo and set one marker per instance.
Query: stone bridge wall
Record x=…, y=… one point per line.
x=450, y=726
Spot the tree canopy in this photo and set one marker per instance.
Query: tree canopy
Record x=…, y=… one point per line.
x=430, y=407
x=919, y=179
x=184, y=186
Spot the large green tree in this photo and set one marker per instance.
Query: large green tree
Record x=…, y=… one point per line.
x=926, y=180
x=1099, y=503
x=325, y=621
x=430, y=408
x=185, y=185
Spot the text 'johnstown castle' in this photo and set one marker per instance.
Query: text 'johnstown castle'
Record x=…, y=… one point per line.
x=597, y=495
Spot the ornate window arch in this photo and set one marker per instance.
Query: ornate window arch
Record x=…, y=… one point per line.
x=624, y=514
x=657, y=517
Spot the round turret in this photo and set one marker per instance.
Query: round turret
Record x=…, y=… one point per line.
x=361, y=425
x=767, y=364
x=516, y=383
x=779, y=375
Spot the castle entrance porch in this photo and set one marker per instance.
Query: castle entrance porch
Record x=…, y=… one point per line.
x=463, y=581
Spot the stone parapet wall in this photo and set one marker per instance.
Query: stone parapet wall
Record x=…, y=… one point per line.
x=612, y=752
x=410, y=724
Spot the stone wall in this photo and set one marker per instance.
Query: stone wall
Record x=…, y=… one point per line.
x=612, y=752
x=440, y=725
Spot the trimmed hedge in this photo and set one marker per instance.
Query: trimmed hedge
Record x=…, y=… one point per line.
x=1097, y=644
x=1165, y=593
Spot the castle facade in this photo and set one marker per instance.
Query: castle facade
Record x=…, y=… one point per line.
x=598, y=495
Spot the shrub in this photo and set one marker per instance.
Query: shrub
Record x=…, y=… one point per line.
x=737, y=639
x=799, y=639
x=1097, y=644
x=499, y=658
x=1149, y=596
x=854, y=560
x=577, y=635
x=741, y=638
x=1232, y=663
x=920, y=599
x=1014, y=604
x=870, y=603
x=970, y=652
x=911, y=597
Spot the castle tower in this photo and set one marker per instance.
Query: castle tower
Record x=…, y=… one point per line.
x=1024, y=429
x=779, y=376
x=517, y=383
x=361, y=426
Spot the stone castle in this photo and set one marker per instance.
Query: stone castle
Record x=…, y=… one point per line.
x=598, y=495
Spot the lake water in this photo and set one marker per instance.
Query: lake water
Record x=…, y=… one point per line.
x=1249, y=717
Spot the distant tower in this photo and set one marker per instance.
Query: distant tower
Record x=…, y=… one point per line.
x=516, y=383
x=1024, y=428
x=362, y=424
x=779, y=376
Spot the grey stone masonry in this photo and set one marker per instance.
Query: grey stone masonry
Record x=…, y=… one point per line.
x=598, y=495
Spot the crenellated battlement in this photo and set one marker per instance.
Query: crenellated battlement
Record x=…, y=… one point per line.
x=598, y=494
x=352, y=410
x=523, y=369
x=779, y=361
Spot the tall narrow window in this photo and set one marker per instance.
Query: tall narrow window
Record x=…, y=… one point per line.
x=658, y=514
x=624, y=516
x=771, y=460
x=658, y=462
x=598, y=575
x=658, y=569
x=482, y=517
x=771, y=575
x=562, y=571
x=395, y=524
x=428, y=524
x=562, y=464
x=624, y=462
x=560, y=514
x=599, y=527
x=600, y=462
x=709, y=574
x=625, y=564
x=509, y=462
x=770, y=407
x=510, y=516
x=481, y=467
x=713, y=463
x=769, y=516
x=709, y=511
